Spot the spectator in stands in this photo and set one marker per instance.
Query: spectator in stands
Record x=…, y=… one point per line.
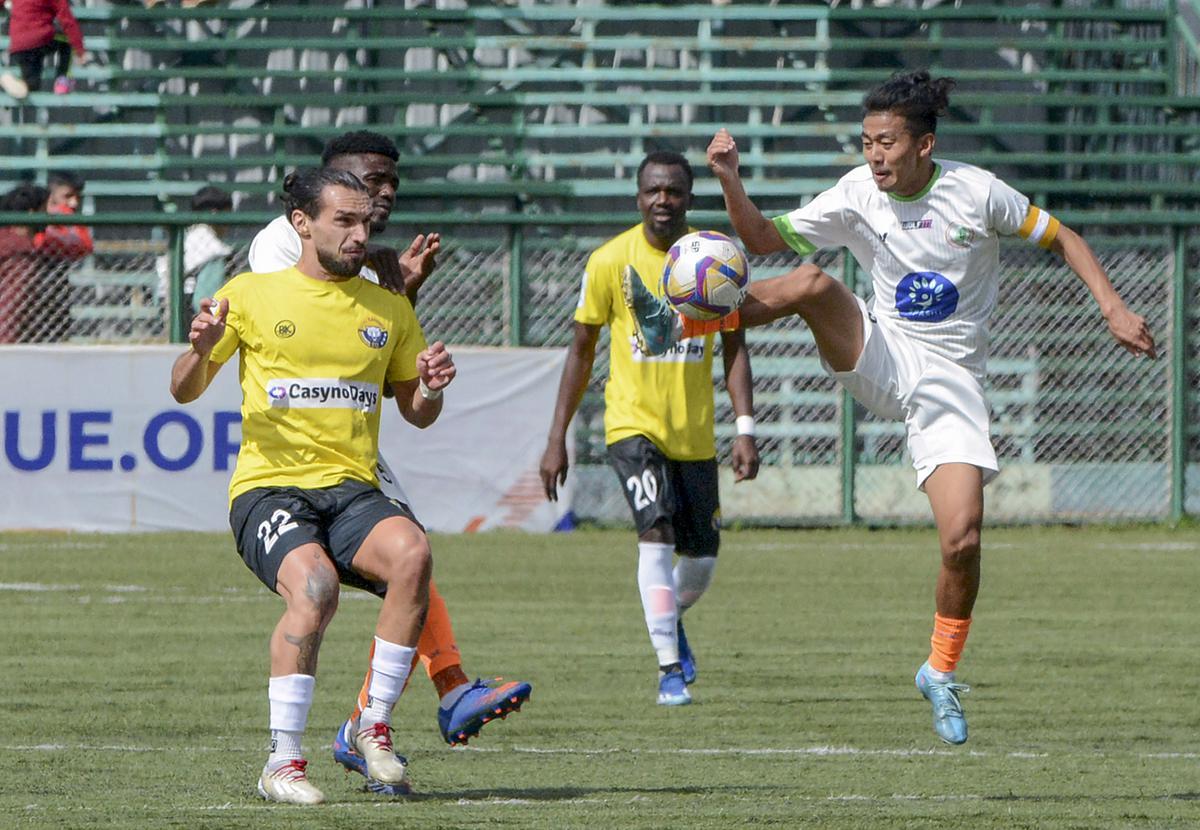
x=38, y=28
x=19, y=261
x=65, y=191
x=49, y=311
x=204, y=252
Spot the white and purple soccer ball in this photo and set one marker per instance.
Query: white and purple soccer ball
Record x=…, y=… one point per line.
x=706, y=275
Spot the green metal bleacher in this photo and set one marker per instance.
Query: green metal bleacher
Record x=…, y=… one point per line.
x=549, y=108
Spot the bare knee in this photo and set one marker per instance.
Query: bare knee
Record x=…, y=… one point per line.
x=961, y=548
x=312, y=591
x=407, y=561
x=806, y=281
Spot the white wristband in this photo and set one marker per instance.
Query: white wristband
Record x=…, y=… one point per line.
x=427, y=393
x=745, y=425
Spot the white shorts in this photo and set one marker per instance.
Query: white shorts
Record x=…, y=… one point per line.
x=942, y=405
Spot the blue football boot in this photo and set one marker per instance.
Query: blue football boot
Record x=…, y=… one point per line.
x=687, y=660
x=949, y=722
x=672, y=690
x=480, y=704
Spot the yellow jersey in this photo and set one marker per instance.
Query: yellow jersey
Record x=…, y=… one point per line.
x=668, y=399
x=314, y=356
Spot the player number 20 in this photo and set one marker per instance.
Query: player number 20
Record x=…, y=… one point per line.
x=281, y=520
x=644, y=489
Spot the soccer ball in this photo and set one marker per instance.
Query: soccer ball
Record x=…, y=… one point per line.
x=706, y=275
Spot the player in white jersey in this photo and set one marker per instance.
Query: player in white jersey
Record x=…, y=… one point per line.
x=465, y=706
x=928, y=232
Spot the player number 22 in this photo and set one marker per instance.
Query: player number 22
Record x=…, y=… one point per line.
x=282, y=521
x=645, y=489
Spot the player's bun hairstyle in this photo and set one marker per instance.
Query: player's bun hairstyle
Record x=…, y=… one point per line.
x=914, y=95
x=210, y=198
x=668, y=158
x=25, y=198
x=302, y=188
x=360, y=142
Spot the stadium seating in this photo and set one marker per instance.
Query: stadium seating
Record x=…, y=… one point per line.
x=548, y=109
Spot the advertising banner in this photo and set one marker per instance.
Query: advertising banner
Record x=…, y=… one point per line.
x=93, y=441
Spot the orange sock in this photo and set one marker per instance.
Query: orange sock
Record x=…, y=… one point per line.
x=436, y=648
x=949, y=637
x=699, y=328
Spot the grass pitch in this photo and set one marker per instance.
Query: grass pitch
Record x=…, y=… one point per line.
x=133, y=687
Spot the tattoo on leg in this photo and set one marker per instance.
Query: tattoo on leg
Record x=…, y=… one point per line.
x=322, y=590
x=308, y=644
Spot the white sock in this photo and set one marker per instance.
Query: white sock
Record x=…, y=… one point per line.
x=658, y=599
x=940, y=676
x=389, y=672
x=693, y=574
x=290, y=697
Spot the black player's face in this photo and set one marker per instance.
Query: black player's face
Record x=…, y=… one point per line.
x=378, y=173
x=900, y=161
x=663, y=199
x=340, y=230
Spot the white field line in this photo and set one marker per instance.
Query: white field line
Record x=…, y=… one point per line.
x=802, y=545
x=760, y=752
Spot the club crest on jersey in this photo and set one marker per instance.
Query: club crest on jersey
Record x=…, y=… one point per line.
x=285, y=329
x=926, y=296
x=373, y=333
x=960, y=236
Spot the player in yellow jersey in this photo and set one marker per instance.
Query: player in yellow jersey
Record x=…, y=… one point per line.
x=316, y=345
x=464, y=706
x=658, y=420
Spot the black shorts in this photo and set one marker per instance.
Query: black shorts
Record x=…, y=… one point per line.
x=270, y=522
x=683, y=493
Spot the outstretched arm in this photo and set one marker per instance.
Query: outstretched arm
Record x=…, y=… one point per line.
x=575, y=376
x=1127, y=328
x=757, y=232
x=740, y=384
x=193, y=370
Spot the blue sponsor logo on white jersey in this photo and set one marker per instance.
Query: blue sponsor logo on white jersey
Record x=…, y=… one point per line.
x=926, y=296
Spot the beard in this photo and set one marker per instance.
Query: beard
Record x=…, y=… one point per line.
x=340, y=266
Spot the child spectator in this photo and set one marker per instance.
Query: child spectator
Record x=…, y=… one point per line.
x=37, y=28
x=66, y=241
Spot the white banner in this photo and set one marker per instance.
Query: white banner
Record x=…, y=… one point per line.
x=94, y=441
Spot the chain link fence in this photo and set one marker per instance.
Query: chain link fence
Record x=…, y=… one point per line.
x=1083, y=431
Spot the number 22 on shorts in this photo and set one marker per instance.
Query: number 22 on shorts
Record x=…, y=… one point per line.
x=270, y=530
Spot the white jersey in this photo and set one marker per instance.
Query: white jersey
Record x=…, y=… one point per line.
x=277, y=246
x=934, y=258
